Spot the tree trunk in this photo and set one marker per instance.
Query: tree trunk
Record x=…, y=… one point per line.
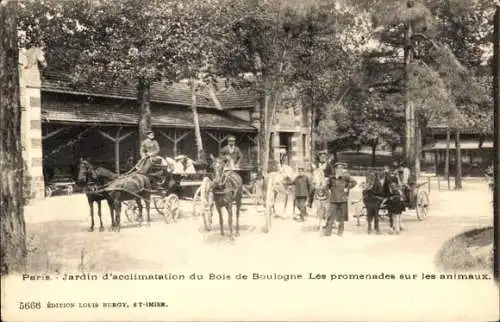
x=196, y=122
x=418, y=147
x=13, y=228
x=447, y=157
x=409, y=151
x=266, y=134
x=312, y=138
x=458, y=161
x=144, y=100
x=374, y=153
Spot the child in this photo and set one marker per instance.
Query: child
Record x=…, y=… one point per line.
x=302, y=190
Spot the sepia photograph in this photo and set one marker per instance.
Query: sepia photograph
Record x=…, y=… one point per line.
x=249, y=160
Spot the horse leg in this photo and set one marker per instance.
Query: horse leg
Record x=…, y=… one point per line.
x=238, y=206
x=147, y=201
x=397, y=223
x=101, y=228
x=139, y=207
x=376, y=218
x=229, y=208
x=221, y=220
x=111, y=211
x=118, y=209
x=369, y=218
x=91, y=205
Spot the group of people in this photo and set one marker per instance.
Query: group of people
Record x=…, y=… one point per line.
x=338, y=183
x=150, y=149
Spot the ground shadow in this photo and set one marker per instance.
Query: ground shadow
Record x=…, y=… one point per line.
x=469, y=250
x=66, y=246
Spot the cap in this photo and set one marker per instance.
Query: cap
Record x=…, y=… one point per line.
x=149, y=132
x=231, y=138
x=340, y=164
x=323, y=152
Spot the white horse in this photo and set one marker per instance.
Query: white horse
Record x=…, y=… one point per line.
x=269, y=187
x=321, y=195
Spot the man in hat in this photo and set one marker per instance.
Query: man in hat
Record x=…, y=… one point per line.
x=340, y=184
x=302, y=190
x=149, y=149
x=231, y=153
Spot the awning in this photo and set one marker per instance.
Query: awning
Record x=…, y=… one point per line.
x=121, y=114
x=464, y=144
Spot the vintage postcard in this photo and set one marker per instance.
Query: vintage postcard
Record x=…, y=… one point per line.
x=249, y=160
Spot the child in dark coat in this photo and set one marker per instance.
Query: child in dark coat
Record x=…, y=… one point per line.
x=302, y=191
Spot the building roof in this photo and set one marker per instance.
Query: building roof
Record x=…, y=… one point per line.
x=124, y=114
x=161, y=92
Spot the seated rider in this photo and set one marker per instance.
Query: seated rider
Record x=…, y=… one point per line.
x=232, y=154
x=149, y=149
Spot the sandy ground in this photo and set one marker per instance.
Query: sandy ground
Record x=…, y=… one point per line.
x=57, y=228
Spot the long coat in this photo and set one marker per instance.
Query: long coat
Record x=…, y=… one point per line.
x=302, y=186
x=339, y=188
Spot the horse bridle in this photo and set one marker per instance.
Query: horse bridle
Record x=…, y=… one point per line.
x=90, y=171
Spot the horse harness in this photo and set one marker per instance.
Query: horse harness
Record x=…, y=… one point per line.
x=225, y=178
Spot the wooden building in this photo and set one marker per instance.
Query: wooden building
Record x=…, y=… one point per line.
x=476, y=151
x=61, y=123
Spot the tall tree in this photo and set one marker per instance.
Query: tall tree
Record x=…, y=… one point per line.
x=13, y=231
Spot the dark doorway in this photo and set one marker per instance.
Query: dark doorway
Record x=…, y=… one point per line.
x=285, y=147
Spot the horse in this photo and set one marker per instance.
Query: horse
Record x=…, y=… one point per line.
x=320, y=193
x=372, y=199
x=268, y=188
x=134, y=185
x=394, y=204
x=227, y=188
x=94, y=178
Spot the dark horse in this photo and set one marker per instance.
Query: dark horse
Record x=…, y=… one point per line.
x=94, y=178
x=394, y=200
x=227, y=187
x=372, y=198
x=134, y=185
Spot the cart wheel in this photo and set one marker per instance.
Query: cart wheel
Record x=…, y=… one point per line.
x=131, y=211
x=48, y=192
x=69, y=190
x=168, y=207
x=204, y=211
x=197, y=202
x=422, y=205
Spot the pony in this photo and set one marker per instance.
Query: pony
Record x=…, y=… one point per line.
x=372, y=199
x=227, y=188
x=320, y=193
x=94, y=178
x=134, y=185
x=394, y=204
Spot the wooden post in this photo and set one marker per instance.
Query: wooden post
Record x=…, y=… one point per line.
x=175, y=139
x=447, y=158
x=116, y=140
x=218, y=137
x=458, y=161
